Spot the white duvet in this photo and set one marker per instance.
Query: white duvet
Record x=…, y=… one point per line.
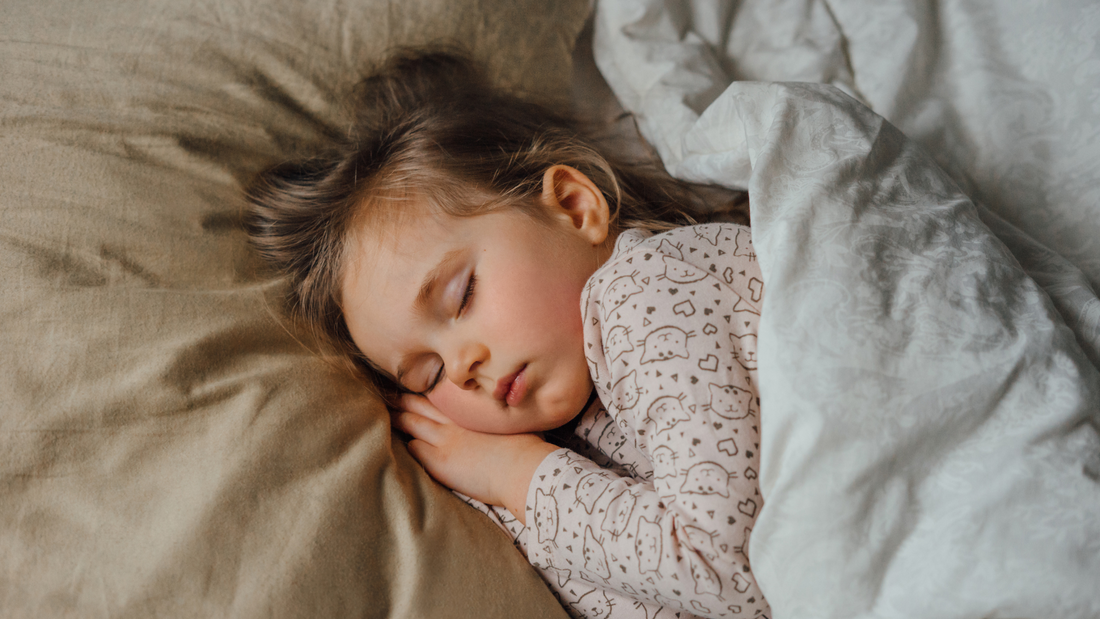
x=930, y=444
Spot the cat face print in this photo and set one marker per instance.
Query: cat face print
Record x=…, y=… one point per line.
x=595, y=558
x=744, y=349
x=625, y=391
x=562, y=573
x=681, y=272
x=729, y=401
x=618, y=513
x=707, y=478
x=665, y=412
x=620, y=289
x=708, y=233
x=647, y=545
x=664, y=461
x=702, y=541
x=611, y=440
x=669, y=249
x=617, y=342
x=546, y=516
x=593, y=605
x=706, y=579
x=628, y=241
x=589, y=490
x=743, y=244
x=665, y=343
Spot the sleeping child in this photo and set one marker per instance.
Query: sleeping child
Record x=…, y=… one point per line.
x=568, y=348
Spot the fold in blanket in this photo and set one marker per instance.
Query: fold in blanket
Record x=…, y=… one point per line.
x=930, y=443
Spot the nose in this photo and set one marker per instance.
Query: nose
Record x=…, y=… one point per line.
x=462, y=367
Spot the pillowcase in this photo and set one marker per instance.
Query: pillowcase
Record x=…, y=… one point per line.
x=167, y=448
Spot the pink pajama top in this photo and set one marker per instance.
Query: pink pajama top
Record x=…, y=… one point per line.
x=648, y=509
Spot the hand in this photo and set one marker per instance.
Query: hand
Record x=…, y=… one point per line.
x=495, y=469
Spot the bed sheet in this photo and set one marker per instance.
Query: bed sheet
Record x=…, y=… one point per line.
x=930, y=395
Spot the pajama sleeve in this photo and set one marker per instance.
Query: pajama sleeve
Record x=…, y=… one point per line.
x=675, y=367
x=578, y=597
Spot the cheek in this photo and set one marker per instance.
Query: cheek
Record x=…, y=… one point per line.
x=552, y=305
x=459, y=405
x=448, y=398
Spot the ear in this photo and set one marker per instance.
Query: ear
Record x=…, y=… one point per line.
x=576, y=201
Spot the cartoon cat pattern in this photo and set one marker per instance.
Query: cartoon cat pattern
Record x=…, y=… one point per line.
x=648, y=510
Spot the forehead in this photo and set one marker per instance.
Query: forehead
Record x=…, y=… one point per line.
x=385, y=260
x=398, y=239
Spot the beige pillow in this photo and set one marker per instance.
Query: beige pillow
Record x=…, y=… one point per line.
x=166, y=448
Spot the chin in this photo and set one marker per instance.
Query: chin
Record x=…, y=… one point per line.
x=565, y=409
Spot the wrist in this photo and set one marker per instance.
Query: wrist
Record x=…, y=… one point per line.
x=520, y=473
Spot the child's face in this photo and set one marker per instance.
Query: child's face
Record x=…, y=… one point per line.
x=481, y=313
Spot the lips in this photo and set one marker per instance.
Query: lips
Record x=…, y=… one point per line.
x=511, y=388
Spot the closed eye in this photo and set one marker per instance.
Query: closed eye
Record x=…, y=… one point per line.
x=435, y=381
x=468, y=295
x=464, y=304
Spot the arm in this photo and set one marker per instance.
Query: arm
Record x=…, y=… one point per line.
x=495, y=469
x=683, y=384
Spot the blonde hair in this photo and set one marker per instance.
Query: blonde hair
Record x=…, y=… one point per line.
x=429, y=125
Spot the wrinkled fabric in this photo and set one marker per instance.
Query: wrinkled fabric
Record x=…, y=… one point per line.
x=168, y=447
x=929, y=408
x=1001, y=93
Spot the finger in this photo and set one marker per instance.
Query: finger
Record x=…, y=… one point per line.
x=425, y=453
x=417, y=426
x=421, y=406
x=415, y=446
x=400, y=434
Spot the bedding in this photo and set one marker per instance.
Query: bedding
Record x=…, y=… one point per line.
x=167, y=447
x=930, y=400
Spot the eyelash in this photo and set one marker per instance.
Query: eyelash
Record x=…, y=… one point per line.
x=468, y=294
x=435, y=381
x=462, y=306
